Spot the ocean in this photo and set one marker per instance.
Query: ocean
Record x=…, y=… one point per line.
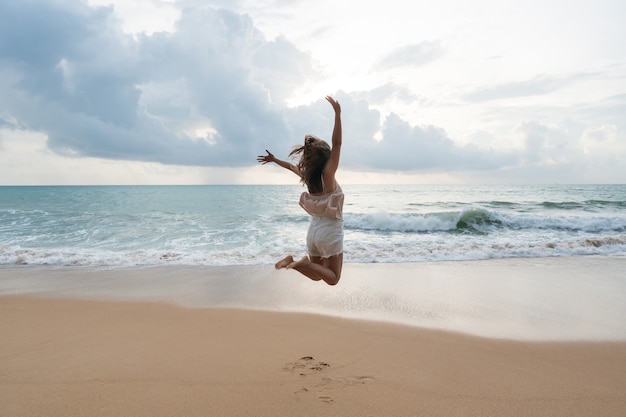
x=122, y=226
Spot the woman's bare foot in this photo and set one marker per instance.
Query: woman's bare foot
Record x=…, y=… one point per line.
x=284, y=263
x=293, y=265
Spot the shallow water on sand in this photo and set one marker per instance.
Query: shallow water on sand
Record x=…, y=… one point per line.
x=568, y=298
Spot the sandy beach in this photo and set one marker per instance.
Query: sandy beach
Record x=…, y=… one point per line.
x=90, y=358
x=101, y=349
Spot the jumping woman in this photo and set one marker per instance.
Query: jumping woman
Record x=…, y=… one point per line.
x=323, y=201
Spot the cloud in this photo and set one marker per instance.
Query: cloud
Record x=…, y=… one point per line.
x=213, y=92
x=428, y=148
x=387, y=91
x=281, y=68
x=207, y=94
x=401, y=147
x=569, y=152
x=610, y=110
x=539, y=85
x=411, y=55
x=544, y=144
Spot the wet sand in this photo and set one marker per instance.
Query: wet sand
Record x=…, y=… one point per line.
x=170, y=342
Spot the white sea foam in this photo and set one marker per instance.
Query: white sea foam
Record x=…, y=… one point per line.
x=250, y=225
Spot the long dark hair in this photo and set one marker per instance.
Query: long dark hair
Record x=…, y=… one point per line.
x=314, y=155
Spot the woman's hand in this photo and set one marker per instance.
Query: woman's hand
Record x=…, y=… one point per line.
x=264, y=159
x=335, y=104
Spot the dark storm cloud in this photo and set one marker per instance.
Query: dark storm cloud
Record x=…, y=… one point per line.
x=72, y=73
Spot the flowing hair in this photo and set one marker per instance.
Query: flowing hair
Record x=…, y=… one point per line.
x=315, y=153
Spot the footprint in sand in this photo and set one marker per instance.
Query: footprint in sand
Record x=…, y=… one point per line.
x=320, y=384
x=306, y=365
x=326, y=398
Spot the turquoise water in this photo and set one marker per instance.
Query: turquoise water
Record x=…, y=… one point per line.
x=249, y=225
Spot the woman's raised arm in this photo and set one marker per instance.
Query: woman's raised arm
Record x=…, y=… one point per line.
x=335, y=152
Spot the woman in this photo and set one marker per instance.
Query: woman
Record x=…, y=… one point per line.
x=323, y=201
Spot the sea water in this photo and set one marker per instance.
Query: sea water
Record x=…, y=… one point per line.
x=121, y=226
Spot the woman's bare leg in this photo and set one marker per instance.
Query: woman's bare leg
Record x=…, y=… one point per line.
x=335, y=264
x=317, y=268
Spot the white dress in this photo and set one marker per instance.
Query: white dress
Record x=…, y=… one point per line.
x=325, y=235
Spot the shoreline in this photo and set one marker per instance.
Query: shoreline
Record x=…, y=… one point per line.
x=531, y=299
x=99, y=358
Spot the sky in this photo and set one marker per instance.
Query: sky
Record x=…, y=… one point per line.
x=191, y=91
